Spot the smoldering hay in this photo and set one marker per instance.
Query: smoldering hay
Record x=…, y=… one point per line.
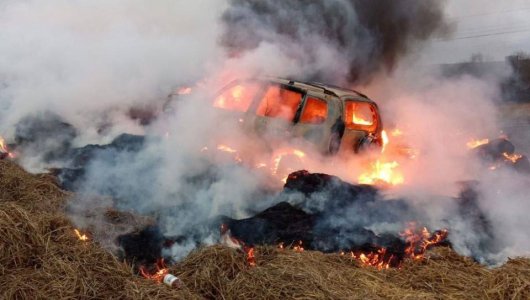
x=187, y=187
x=41, y=257
x=91, y=76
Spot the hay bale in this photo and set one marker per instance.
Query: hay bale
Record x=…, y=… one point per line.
x=41, y=258
x=219, y=272
x=33, y=192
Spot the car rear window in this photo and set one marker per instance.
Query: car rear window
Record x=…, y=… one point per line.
x=278, y=102
x=360, y=115
x=315, y=111
x=238, y=97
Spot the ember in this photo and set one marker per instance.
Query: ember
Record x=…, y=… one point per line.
x=298, y=247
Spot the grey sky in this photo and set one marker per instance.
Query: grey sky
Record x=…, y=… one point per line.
x=491, y=27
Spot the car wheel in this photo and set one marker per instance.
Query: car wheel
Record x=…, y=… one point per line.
x=365, y=143
x=334, y=143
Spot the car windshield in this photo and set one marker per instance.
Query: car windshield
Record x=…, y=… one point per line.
x=238, y=97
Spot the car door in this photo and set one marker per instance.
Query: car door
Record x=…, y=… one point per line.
x=314, y=121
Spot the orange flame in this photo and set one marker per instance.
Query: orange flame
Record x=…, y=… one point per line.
x=82, y=237
x=361, y=121
x=158, y=276
x=251, y=259
x=417, y=243
x=236, y=99
x=298, y=247
x=5, y=150
x=226, y=148
x=512, y=157
x=396, y=132
x=3, y=147
x=476, y=143
x=229, y=241
x=230, y=150
x=375, y=259
x=382, y=172
x=385, y=140
x=281, y=154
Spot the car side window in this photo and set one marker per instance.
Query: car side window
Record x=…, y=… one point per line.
x=315, y=111
x=278, y=102
x=360, y=115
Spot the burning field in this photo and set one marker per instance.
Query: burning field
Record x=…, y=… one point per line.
x=43, y=257
x=243, y=149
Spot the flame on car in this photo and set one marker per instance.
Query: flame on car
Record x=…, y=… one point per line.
x=382, y=171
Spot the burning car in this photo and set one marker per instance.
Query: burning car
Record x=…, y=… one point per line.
x=330, y=118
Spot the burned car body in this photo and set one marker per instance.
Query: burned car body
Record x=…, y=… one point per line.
x=332, y=119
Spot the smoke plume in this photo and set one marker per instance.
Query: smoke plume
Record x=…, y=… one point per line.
x=77, y=68
x=334, y=40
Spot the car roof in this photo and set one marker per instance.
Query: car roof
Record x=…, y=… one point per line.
x=321, y=88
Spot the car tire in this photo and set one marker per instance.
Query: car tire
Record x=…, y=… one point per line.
x=335, y=139
x=334, y=143
x=365, y=143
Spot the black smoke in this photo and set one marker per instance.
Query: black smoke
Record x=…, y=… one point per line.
x=371, y=36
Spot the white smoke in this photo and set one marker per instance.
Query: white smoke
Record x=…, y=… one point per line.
x=88, y=61
x=91, y=61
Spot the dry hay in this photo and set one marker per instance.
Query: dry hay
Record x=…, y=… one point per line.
x=41, y=258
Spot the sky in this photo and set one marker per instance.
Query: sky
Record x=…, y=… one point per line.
x=491, y=27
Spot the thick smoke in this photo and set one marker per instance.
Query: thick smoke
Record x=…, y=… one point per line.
x=337, y=41
x=90, y=62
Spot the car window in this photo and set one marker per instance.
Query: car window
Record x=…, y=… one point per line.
x=278, y=102
x=360, y=115
x=238, y=97
x=315, y=111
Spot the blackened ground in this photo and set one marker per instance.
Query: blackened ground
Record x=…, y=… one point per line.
x=143, y=247
x=73, y=176
x=345, y=222
x=45, y=135
x=330, y=227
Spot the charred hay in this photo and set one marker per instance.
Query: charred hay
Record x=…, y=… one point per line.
x=41, y=258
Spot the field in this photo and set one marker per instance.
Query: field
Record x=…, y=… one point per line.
x=42, y=258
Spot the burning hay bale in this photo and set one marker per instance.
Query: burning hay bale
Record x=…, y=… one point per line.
x=500, y=152
x=217, y=272
x=42, y=257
